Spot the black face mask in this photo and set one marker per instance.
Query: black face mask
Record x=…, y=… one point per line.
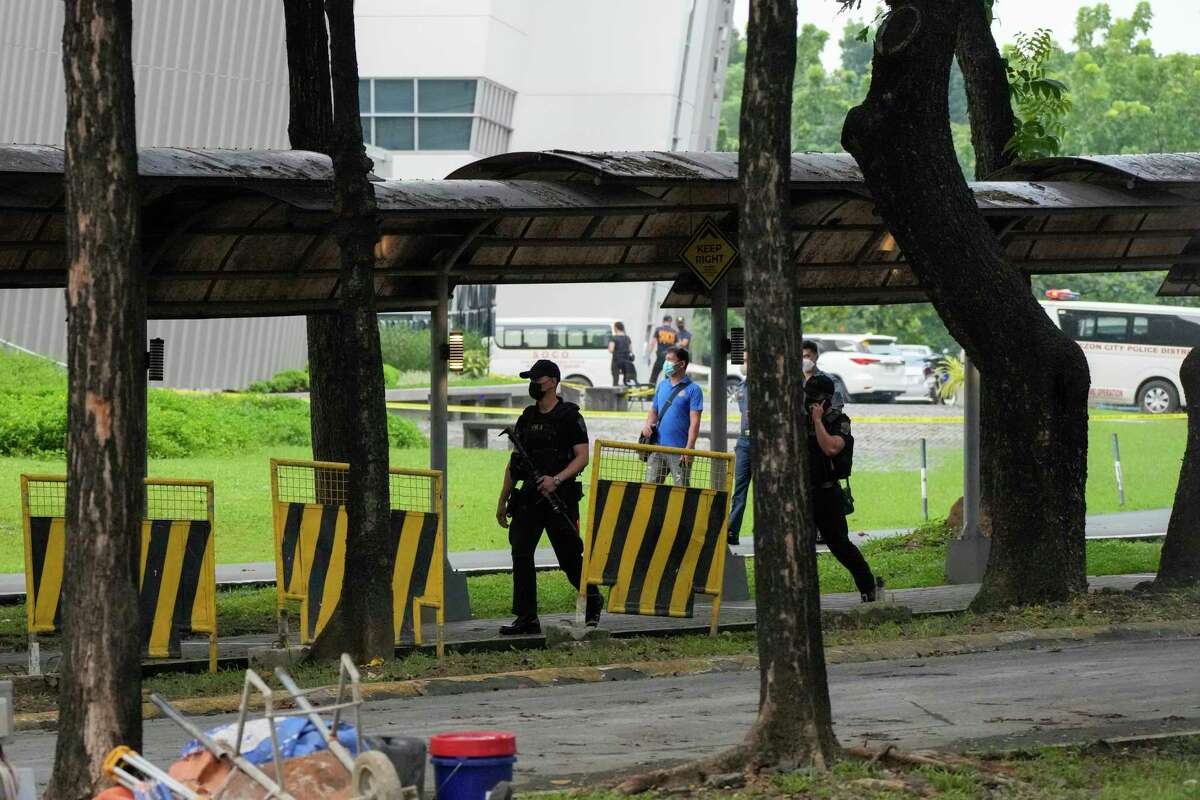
x=536, y=391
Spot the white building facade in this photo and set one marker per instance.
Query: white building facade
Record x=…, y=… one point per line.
x=446, y=82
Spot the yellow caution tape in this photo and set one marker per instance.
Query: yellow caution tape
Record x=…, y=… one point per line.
x=507, y=411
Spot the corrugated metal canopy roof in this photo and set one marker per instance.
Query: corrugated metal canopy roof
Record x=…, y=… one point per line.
x=230, y=233
x=1168, y=170
x=655, y=167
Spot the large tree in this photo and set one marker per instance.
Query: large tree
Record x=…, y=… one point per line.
x=900, y=137
x=100, y=703
x=1179, y=564
x=310, y=127
x=794, y=723
x=362, y=624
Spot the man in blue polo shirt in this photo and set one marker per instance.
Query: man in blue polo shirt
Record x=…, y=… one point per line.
x=679, y=424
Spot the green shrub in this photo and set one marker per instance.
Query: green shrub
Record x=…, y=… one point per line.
x=297, y=380
x=476, y=363
x=408, y=350
x=288, y=380
x=33, y=417
x=404, y=433
x=33, y=424
x=404, y=348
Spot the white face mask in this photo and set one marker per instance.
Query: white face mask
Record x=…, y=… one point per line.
x=809, y=365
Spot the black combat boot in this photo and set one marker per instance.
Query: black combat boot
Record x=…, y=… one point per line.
x=595, y=603
x=873, y=595
x=522, y=626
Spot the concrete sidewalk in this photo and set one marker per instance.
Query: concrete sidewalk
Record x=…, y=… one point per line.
x=1124, y=525
x=484, y=633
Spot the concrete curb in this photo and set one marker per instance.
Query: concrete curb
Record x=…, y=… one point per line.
x=566, y=676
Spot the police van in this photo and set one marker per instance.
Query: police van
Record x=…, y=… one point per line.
x=579, y=345
x=570, y=324
x=1134, y=352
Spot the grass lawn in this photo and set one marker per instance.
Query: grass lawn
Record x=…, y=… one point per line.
x=1164, y=770
x=1151, y=453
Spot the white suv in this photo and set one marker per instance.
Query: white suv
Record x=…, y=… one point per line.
x=870, y=366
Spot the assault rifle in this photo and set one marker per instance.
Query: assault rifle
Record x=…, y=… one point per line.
x=553, y=499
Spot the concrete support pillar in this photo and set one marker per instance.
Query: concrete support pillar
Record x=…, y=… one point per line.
x=458, y=604
x=967, y=556
x=735, y=585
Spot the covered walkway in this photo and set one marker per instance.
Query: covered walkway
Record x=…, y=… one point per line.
x=248, y=233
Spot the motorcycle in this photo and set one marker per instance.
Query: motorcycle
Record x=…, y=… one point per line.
x=936, y=376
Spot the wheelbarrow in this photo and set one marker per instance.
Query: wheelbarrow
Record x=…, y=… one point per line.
x=332, y=773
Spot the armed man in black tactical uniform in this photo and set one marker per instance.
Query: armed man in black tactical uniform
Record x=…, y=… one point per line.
x=553, y=434
x=830, y=448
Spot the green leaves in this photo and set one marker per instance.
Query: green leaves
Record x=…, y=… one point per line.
x=1041, y=102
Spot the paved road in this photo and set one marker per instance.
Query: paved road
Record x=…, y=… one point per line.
x=987, y=700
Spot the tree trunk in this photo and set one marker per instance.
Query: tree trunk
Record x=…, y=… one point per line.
x=900, y=137
x=310, y=127
x=989, y=107
x=100, y=703
x=793, y=723
x=989, y=104
x=362, y=624
x=1180, y=561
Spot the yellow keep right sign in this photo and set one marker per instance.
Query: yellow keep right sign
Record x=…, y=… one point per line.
x=709, y=253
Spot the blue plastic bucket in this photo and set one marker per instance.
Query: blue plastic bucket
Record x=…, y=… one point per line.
x=462, y=778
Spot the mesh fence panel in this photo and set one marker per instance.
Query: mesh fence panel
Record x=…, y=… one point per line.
x=164, y=499
x=47, y=497
x=631, y=463
x=308, y=483
x=177, y=501
x=326, y=484
x=413, y=492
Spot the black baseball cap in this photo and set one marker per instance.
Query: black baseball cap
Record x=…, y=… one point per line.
x=818, y=385
x=543, y=368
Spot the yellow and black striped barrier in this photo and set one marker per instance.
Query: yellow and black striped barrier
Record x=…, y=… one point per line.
x=657, y=528
x=176, y=570
x=308, y=504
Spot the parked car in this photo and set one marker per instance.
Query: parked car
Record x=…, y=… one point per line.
x=916, y=360
x=868, y=365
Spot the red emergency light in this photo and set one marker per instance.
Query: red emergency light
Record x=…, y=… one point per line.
x=1061, y=294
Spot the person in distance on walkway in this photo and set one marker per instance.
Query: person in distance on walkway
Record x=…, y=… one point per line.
x=624, y=371
x=830, y=444
x=742, y=453
x=553, y=433
x=664, y=339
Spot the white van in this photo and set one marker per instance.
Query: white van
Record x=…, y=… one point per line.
x=1133, y=351
x=579, y=345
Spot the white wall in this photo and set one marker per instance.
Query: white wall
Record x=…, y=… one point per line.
x=589, y=74
x=603, y=75
x=208, y=73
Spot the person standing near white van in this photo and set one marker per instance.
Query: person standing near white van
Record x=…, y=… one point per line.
x=673, y=419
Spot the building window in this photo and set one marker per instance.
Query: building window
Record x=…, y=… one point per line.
x=436, y=114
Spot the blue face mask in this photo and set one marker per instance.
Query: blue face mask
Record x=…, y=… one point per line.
x=669, y=368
